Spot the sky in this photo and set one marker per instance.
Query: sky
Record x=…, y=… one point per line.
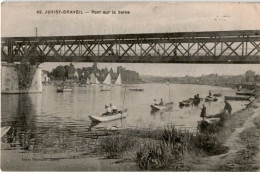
x=20, y=18
x=172, y=70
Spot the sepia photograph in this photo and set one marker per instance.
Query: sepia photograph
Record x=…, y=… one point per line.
x=130, y=86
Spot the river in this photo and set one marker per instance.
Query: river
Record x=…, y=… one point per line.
x=44, y=118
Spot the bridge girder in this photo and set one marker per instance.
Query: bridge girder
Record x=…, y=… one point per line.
x=185, y=47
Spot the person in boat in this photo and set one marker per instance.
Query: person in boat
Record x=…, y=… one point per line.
x=210, y=93
x=113, y=108
x=156, y=102
x=227, y=107
x=196, y=100
x=108, y=110
x=161, y=102
x=203, y=111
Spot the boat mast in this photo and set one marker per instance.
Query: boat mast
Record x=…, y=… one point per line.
x=124, y=94
x=169, y=91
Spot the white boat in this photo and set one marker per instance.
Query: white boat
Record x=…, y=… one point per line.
x=64, y=89
x=93, y=79
x=169, y=105
x=156, y=107
x=106, y=118
x=107, y=83
x=88, y=81
x=4, y=130
x=119, y=80
x=107, y=80
x=209, y=99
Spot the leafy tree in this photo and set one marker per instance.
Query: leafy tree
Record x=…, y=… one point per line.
x=59, y=71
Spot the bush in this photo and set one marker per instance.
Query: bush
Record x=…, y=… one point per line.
x=209, y=144
x=167, y=154
x=116, y=144
x=175, y=146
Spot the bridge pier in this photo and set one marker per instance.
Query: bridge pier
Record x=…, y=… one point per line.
x=11, y=78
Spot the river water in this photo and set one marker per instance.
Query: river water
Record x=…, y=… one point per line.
x=39, y=119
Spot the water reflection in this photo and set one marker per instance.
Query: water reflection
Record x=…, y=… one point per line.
x=22, y=113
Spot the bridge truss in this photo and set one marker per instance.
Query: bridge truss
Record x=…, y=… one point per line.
x=183, y=47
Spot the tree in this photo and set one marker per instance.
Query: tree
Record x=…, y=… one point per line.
x=59, y=71
x=250, y=75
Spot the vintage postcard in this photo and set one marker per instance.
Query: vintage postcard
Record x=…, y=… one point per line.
x=130, y=86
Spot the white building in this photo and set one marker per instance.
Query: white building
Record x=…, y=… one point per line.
x=45, y=78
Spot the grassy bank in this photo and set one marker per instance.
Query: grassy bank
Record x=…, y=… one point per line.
x=177, y=150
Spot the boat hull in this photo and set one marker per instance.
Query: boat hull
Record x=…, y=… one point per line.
x=136, y=90
x=209, y=99
x=238, y=98
x=245, y=93
x=108, y=118
x=164, y=107
x=64, y=90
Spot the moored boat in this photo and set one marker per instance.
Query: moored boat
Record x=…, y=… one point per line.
x=93, y=79
x=136, y=89
x=156, y=107
x=238, y=98
x=64, y=89
x=107, y=83
x=105, y=118
x=118, y=80
x=209, y=99
x=217, y=95
x=247, y=93
x=187, y=102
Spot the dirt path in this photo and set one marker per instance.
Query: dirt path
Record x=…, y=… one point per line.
x=230, y=160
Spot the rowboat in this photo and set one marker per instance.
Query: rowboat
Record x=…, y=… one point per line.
x=105, y=89
x=136, y=89
x=208, y=99
x=190, y=101
x=156, y=107
x=106, y=118
x=185, y=103
x=238, y=98
x=64, y=90
x=247, y=93
x=217, y=95
x=4, y=130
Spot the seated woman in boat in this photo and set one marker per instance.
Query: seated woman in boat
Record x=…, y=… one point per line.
x=108, y=111
x=113, y=108
x=161, y=102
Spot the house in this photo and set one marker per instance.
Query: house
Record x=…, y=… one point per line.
x=45, y=78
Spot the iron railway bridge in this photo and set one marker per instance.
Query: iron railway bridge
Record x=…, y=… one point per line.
x=183, y=47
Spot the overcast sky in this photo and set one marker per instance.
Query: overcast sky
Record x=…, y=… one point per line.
x=20, y=18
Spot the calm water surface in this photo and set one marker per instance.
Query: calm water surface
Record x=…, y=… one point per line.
x=43, y=119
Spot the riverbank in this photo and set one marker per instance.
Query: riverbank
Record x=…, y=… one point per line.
x=236, y=145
